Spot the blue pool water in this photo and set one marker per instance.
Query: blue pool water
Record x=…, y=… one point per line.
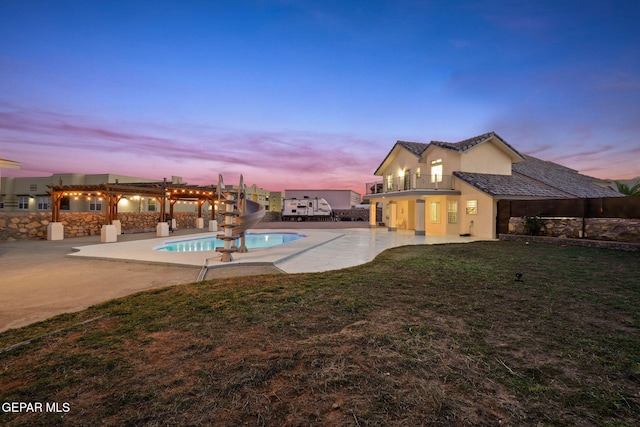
x=252, y=240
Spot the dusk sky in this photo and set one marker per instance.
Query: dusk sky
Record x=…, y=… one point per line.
x=312, y=94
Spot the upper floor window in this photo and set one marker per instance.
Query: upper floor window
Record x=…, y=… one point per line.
x=44, y=203
x=436, y=170
x=23, y=202
x=1, y=202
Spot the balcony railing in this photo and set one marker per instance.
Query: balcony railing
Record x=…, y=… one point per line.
x=411, y=183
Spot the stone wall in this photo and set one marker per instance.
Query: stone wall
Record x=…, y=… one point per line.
x=18, y=225
x=270, y=217
x=610, y=229
x=559, y=241
x=135, y=222
x=355, y=214
x=33, y=225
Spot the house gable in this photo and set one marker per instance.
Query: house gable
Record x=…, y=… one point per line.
x=486, y=158
x=486, y=153
x=449, y=159
x=403, y=155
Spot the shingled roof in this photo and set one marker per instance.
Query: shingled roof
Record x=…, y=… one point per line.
x=466, y=144
x=537, y=178
x=531, y=177
x=416, y=148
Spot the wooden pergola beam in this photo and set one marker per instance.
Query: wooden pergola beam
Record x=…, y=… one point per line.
x=113, y=193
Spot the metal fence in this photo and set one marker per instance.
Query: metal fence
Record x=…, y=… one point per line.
x=411, y=182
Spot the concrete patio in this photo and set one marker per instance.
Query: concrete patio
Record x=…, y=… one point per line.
x=41, y=279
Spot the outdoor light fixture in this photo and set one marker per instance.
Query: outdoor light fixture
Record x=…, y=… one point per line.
x=518, y=277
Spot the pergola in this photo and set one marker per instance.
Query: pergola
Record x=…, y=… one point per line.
x=113, y=193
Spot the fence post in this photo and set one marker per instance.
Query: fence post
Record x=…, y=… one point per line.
x=584, y=216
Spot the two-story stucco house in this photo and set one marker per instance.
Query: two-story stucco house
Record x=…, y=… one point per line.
x=444, y=188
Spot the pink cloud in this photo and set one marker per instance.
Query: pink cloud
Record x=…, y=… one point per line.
x=49, y=142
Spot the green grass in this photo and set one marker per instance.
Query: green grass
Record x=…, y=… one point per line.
x=423, y=335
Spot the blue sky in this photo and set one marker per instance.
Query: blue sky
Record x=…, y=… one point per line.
x=312, y=94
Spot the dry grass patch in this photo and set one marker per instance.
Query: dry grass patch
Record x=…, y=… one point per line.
x=423, y=335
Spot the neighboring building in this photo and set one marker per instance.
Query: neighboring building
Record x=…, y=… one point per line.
x=31, y=194
x=444, y=188
x=254, y=193
x=6, y=164
x=338, y=199
x=275, y=201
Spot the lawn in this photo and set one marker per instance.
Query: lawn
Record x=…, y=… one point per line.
x=422, y=335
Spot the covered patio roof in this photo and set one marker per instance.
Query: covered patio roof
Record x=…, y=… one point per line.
x=113, y=193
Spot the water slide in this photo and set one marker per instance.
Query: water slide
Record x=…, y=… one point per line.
x=253, y=213
x=250, y=212
x=240, y=215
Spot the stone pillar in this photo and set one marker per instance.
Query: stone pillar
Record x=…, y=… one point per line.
x=213, y=225
x=393, y=216
x=199, y=222
x=118, y=226
x=372, y=214
x=108, y=233
x=420, y=217
x=162, y=229
x=55, y=231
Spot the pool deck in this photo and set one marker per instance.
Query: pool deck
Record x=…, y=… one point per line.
x=143, y=250
x=41, y=279
x=321, y=249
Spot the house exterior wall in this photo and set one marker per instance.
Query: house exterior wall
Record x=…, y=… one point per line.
x=486, y=158
x=435, y=215
x=450, y=160
x=480, y=224
x=405, y=215
x=399, y=164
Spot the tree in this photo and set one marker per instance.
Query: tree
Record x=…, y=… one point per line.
x=625, y=189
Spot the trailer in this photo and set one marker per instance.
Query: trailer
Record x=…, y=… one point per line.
x=306, y=209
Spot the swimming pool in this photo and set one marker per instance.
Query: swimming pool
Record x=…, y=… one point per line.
x=252, y=240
